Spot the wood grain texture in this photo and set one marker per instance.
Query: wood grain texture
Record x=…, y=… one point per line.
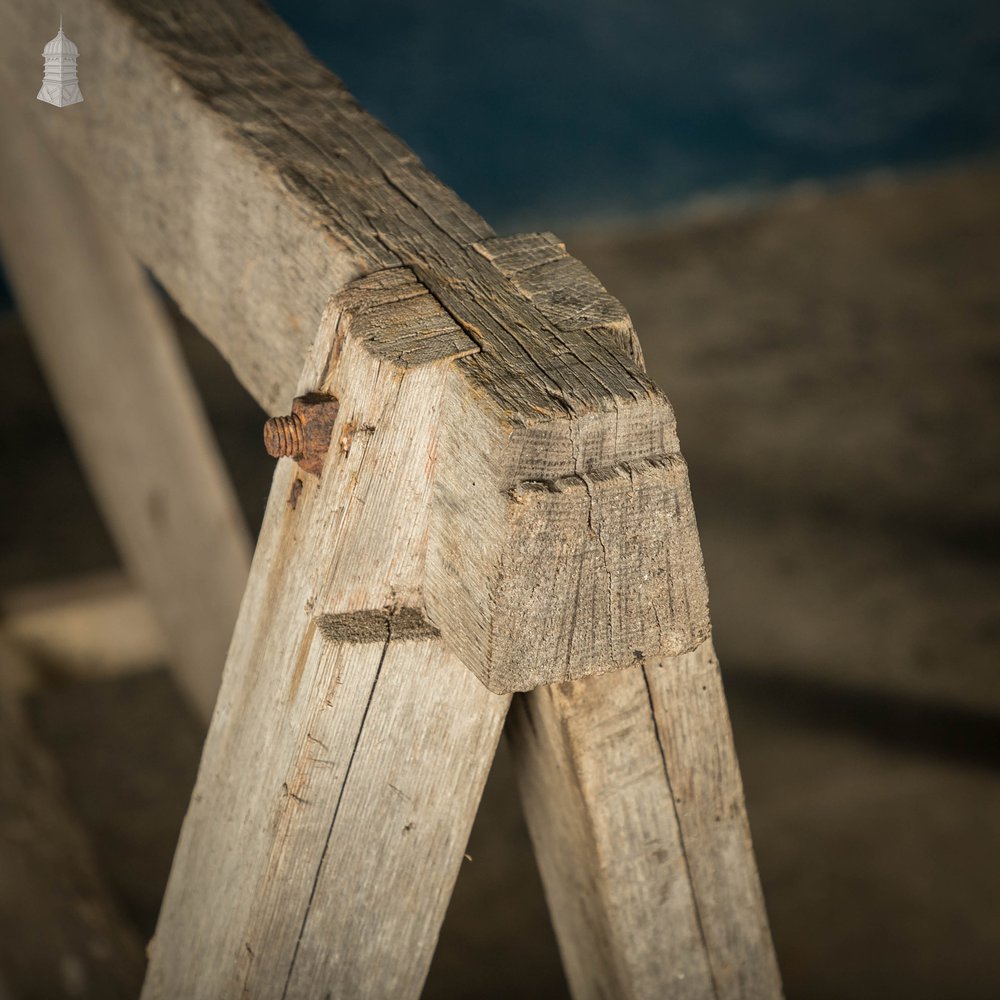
x=692, y=721
x=562, y=288
x=607, y=841
x=505, y=475
x=111, y=358
x=349, y=746
x=635, y=808
x=630, y=783
x=565, y=546
x=265, y=189
x=61, y=932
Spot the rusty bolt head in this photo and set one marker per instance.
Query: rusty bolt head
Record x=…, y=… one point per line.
x=304, y=434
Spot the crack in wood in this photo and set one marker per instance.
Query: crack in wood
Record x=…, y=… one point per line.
x=562, y=483
x=680, y=832
x=336, y=811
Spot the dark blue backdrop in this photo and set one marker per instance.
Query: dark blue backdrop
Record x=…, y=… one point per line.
x=539, y=110
x=542, y=111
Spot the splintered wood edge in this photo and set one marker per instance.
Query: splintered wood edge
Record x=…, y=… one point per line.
x=562, y=287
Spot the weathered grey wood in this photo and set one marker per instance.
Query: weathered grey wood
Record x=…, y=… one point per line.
x=562, y=288
x=349, y=746
x=562, y=573
x=635, y=808
x=630, y=782
x=111, y=359
x=565, y=545
x=61, y=933
x=257, y=189
x=508, y=477
x=692, y=722
x=264, y=189
x=607, y=841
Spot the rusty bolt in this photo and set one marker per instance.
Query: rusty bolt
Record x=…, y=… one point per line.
x=304, y=434
x=283, y=436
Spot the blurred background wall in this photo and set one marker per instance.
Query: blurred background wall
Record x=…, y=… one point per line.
x=551, y=112
x=799, y=203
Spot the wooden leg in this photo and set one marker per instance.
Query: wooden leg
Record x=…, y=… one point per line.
x=111, y=359
x=324, y=865
x=349, y=748
x=635, y=808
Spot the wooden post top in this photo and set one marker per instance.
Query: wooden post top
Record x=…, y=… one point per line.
x=557, y=544
x=561, y=539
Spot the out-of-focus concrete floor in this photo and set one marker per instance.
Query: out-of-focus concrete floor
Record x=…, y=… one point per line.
x=833, y=357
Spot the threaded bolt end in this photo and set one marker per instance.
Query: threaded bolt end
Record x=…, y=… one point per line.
x=283, y=436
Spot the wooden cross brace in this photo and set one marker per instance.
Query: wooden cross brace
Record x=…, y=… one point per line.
x=503, y=508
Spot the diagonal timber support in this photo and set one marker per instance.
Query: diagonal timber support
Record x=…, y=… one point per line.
x=350, y=746
x=112, y=361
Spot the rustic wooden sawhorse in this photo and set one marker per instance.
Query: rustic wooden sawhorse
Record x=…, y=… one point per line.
x=503, y=508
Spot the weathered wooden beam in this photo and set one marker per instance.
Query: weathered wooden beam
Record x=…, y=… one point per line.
x=263, y=190
x=635, y=808
x=256, y=189
x=505, y=494
x=262, y=187
x=349, y=747
x=630, y=782
x=336, y=600
x=111, y=358
x=581, y=550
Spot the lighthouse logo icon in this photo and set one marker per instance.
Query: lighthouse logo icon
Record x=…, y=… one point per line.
x=60, y=86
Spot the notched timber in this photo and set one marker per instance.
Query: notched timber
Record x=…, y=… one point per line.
x=555, y=547
x=376, y=626
x=312, y=795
